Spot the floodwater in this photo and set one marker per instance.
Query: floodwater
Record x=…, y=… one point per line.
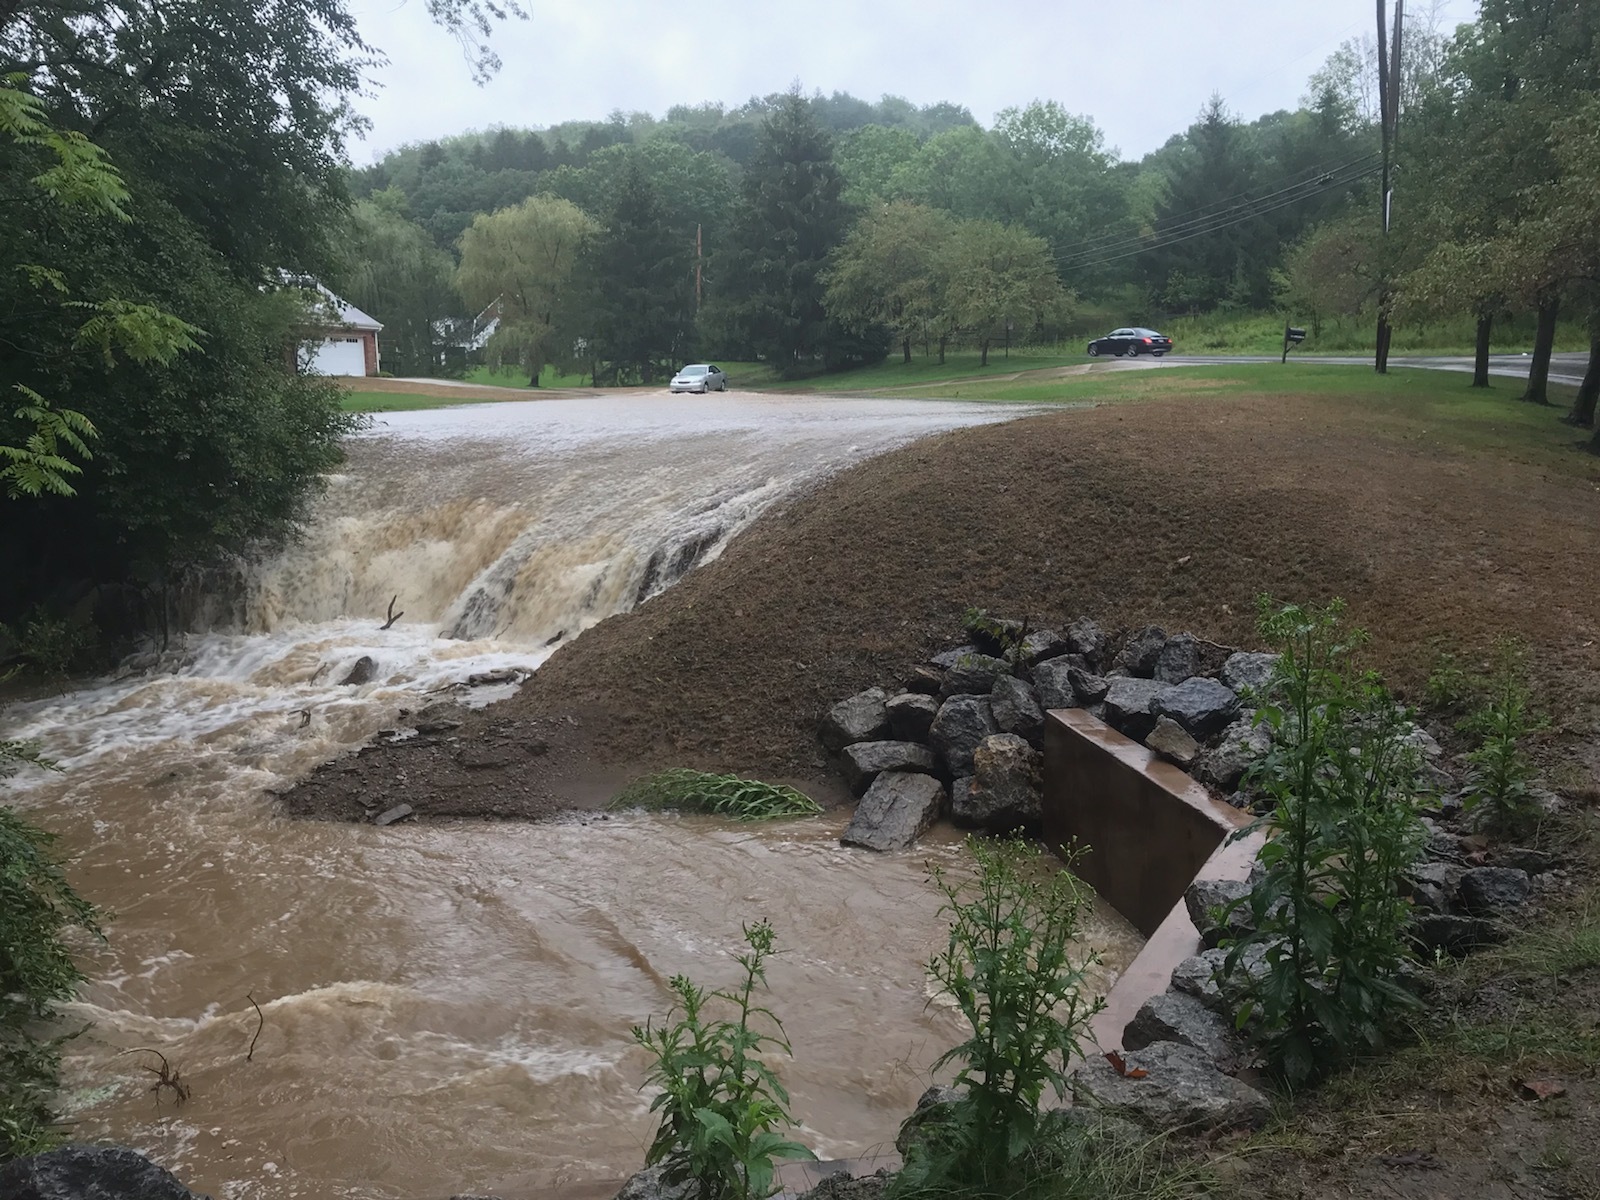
x=447, y=1008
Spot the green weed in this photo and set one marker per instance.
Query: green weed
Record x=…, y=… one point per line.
x=1013, y=971
x=1327, y=912
x=686, y=790
x=1500, y=775
x=721, y=1106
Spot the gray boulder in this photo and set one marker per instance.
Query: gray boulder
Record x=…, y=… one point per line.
x=649, y=1185
x=1179, y=1089
x=1172, y=742
x=1431, y=886
x=90, y=1173
x=1174, y=1017
x=1494, y=891
x=363, y=670
x=1524, y=858
x=1241, y=744
x=1206, y=898
x=910, y=715
x=865, y=761
x=1015, y=708
x=1201, y=977
x=962, y=722
x=958, y=791
x=898, y=809
x=1042, y=644
x=973, y=675
x=1202, y=706
x=439, y=717
x=1248, y=669
x=1005, y=791
x=1455, y=934
x=1130, y=704
x=1088, y=687
x=1139, y=653
x=1088, y=639
x=1052, y=679
x=946, y=659
x=1185, y=655
x=934, y=1107
x=925, y=679
x=861, y=718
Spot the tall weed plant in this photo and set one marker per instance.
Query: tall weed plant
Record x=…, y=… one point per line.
x=721, y=1105
x=1499, y=773
x=1014, y=970
x=1319, y=968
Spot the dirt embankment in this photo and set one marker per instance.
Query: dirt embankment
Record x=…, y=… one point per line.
x=1177, y=513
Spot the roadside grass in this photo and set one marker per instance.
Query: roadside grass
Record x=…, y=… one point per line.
x=925, y=369
x=378, y=402
x=1262, y=333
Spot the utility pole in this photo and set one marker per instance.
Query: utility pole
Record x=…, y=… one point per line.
x=697, y=267
x=1389, y=69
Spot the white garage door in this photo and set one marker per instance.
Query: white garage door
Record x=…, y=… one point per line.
x=338, y=356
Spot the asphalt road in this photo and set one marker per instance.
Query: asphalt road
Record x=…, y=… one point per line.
x=1564, y=368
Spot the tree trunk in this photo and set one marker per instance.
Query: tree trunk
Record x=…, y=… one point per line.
x=1480, y=351
x=1544, y=342
x=983, y=348
x=1380, y=362
x=1589, y=389
x=905, y=349
x=941, y=351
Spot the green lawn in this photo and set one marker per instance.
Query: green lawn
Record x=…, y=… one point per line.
x=373, y=402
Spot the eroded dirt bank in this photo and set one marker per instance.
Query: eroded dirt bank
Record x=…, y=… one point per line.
x=1178, y=513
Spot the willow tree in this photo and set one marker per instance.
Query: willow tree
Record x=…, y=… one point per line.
x=521, y=260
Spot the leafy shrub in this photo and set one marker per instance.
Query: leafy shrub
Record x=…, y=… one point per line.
x=1013, y=970
x=1499, y=773
x=37, y=908
x=1002, y=639
x=686, y=790
x=721, y=1105
x=1327, y=911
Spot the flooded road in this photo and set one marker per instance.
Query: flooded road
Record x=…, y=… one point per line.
x=446, y=1008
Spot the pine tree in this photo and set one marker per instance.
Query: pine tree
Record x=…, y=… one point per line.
x=791, y=218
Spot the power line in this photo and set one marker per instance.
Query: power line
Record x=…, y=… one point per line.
x=1253, y=213
x=1324, y=178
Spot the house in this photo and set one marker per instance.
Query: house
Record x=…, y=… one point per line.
x=345, y=342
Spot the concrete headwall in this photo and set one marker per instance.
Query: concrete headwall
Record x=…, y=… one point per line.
x=1145, y=828
x=1145, y=831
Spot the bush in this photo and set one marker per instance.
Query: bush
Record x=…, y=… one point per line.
x=685, y=790
x=721, y=1106
x=37, y=908
x=1013, y=970
x=1327, y=911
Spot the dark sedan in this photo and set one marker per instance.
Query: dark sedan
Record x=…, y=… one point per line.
x=1131, y=342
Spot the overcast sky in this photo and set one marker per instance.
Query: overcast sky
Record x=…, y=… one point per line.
x=1141, y=70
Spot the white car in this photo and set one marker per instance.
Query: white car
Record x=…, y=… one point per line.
x=700, y=377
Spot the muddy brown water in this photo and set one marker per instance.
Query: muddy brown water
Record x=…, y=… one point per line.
x=447, y=1008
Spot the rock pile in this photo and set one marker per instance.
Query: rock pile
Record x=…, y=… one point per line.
x=972, y=721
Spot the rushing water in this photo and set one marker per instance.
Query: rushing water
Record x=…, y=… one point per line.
x=447, y=1007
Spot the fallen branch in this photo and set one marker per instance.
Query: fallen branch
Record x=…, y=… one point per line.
x=166, y=1077
x=393, y=616
x=261, y=1023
